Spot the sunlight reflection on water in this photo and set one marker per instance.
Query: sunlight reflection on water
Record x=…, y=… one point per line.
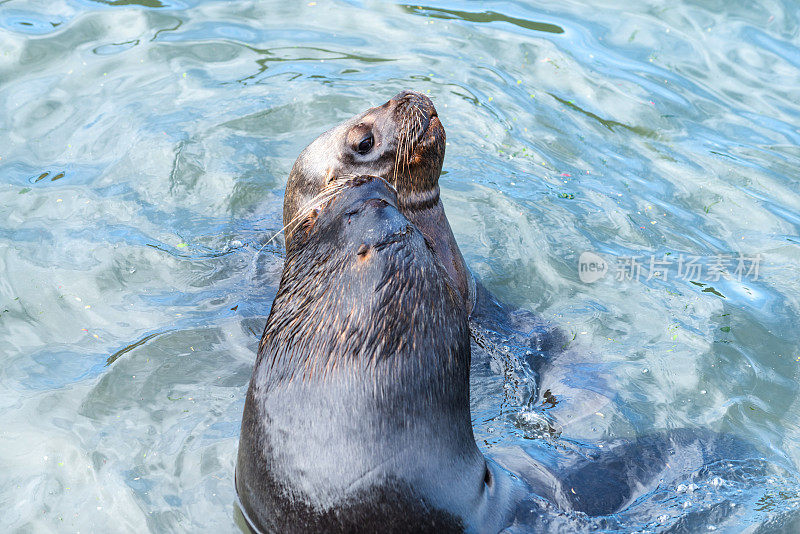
x=145, y=150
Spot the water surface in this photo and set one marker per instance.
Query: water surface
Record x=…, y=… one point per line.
x=145, y=146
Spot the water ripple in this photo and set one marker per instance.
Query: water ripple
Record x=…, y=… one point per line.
x=146, y=148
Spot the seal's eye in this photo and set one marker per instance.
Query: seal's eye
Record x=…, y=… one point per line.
x=366, y=144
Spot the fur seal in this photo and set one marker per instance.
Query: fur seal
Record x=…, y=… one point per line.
x=364, y=358
x=402, y=141
x=357, y=416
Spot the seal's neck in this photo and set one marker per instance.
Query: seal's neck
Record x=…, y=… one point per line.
x=411, y=201
x=426, y=211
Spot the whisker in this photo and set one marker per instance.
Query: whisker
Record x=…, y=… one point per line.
x=398, y=150
x=330, y=191
x=410, y=134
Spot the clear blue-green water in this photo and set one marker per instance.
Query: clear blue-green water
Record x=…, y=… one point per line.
x=144, y=148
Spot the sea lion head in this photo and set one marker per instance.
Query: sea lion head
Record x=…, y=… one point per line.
x=354, y=243
x=402, y=141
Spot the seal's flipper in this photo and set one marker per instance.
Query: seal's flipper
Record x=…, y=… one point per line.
x=618, y=472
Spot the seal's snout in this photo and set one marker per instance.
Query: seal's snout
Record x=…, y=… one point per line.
x=352, y=195
x=370, y=189
x=417, y=109
x=414, y=98
x=367, y=194
x=366, y=207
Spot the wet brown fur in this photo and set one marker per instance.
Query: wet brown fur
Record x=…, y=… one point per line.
x=359, y=359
